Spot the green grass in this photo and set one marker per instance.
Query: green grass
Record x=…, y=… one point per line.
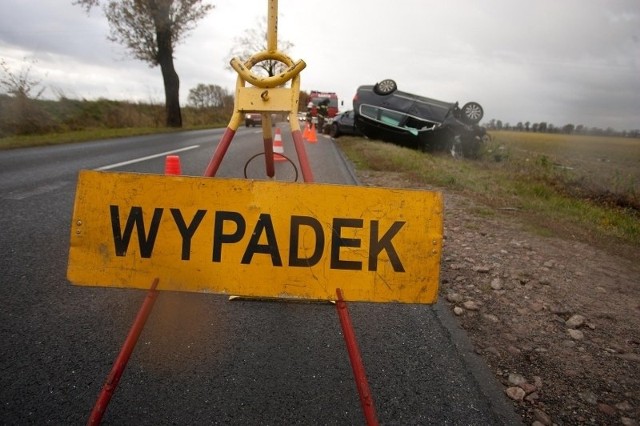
x=531, y=185
x=35, y=122
x=71, y=137
x=84, y=135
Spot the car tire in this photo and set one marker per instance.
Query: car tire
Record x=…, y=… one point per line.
x=334, y=132
x=385, y=87
x=472, y=112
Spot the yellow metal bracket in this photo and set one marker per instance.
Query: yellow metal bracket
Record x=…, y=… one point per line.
x=267, y=94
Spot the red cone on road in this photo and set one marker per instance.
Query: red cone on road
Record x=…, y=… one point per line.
x=172, y=165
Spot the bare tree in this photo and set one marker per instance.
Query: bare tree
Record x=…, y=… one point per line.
x=208, y=96
x=19, y=84
x=150, y=30
x=20, y=111
x=253, y=41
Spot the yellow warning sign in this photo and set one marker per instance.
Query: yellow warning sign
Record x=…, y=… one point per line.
x=256, y=238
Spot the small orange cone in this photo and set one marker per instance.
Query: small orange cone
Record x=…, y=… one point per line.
x=172, y=165
x=278, y=148
x=307, y=130
x=313, y=137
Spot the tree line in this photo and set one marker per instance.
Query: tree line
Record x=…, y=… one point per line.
x=568, y=129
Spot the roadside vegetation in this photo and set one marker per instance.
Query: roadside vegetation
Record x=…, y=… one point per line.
x=32, y=122
x=28, y=120
x=582, y=187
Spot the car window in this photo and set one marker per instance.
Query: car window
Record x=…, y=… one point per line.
x=386, y=116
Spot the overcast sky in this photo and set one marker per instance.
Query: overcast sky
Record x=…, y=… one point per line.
x=558, y=61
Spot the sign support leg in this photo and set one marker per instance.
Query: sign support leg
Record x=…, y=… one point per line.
x=307, y=174
x=123, y=357
x=366, y=399
x=221, y=150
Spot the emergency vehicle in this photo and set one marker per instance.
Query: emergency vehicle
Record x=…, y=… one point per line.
x=315, y=97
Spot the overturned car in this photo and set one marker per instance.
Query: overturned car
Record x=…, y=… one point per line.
x=383, y=112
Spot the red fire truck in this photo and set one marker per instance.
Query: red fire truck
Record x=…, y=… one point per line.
x=316, y=97
x=318, y=101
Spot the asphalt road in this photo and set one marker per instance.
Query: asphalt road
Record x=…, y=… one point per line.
x=202, y=359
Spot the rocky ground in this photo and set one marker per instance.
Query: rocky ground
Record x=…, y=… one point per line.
x=556, y=319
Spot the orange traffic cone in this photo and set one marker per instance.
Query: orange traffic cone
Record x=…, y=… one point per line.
x=172, y=165
x=307, y=130
x=313, y=137
x=278, y=148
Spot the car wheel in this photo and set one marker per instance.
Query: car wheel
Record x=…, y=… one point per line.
x=472, y=112
x=334, y=132
x=385, y=87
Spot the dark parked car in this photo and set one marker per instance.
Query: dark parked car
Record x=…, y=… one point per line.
x=253, y=119
x=343, y=124
x=383, y=112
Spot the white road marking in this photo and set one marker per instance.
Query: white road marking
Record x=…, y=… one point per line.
x=149, y=157
x=44, y=189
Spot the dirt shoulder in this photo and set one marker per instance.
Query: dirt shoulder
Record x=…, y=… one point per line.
x=556, y=320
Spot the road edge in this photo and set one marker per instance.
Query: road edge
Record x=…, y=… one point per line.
x=484, y=379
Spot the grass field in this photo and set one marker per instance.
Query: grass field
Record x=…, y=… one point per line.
x=582, y=186
x=604, y=164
